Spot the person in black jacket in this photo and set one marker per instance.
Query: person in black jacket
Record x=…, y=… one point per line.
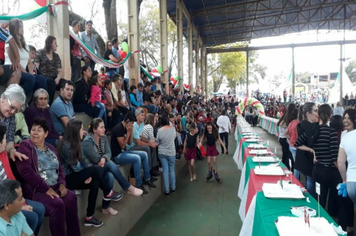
x=308, y=127
x=81, y=97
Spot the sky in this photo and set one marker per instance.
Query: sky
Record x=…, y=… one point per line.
x=309, y=59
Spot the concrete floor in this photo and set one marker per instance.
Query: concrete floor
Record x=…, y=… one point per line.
x=200, y=208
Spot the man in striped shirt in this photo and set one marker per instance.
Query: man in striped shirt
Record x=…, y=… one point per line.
x=10, y=74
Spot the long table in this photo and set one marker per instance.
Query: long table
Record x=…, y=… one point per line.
x=257, y=212
x=269, y=124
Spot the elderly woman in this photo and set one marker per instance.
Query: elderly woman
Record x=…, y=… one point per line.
x=39, y=108
x=43, y=180
x=96, y=150
x=12, y=101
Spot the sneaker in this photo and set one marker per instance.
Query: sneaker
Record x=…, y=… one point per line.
x=135, y=191
x=217, y=177
x=153, y=179
x=93, y=222
x=209, y=176
x=113, y=196
x=173, y=190
x=149, y=183
x=167, y=194
x=144, y=191
x=110, y=211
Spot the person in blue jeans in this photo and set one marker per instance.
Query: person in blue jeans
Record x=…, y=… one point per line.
x=167, y=154
x=122, y=135
x=96, y=150
x=35, y=214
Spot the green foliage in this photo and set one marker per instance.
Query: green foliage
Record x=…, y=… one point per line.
x=350, y=70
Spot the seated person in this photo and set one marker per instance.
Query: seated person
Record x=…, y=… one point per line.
x=49, y=65
x=139, y=144
x=39, y=108
x=80, y=176
x=43, y=180
x=11, y=201
x=121, y=102
x=33, y=211
x=62, y=109
x=148, y=98
x=96, y=150
x=113, y=111
x=81, y=97
x=121, y=136
x=21, y=132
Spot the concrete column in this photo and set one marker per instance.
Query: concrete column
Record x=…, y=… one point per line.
x=180, y=42
x=134, y=41
x=197, y=69
x=341, y=70
x=247, y=73
x=190, y=57
x=206, y=73
x=202, y=74
x=58, y=26
x=293, y=75
x=164, y=40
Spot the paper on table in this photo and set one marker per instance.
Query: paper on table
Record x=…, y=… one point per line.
x=252, y=140
x=265, y=159
x=255, y=151
x=260, y=146
x=276, y=191
x=295, y=226
x=269, y=170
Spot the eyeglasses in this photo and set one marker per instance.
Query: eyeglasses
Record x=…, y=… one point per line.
x=12, y=108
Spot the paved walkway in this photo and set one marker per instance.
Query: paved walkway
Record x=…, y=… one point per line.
x=200, y=208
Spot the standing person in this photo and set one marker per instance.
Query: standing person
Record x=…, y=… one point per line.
x=211, y=136
x=80, y=176
x=309, y=127
x=76, y=53
x=291, y=135
x=189, y=149
x=339, y=110
x=88, y=37
x=109, y=55
x=97, y=99
x=166, y=153
x=347, y=154
x=224, y=128
x=49, y=65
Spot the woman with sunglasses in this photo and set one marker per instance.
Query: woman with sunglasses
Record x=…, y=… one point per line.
x=39, y=108
x=11, y=102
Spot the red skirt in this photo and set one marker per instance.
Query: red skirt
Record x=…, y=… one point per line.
x=191, y=153
x=211, y=151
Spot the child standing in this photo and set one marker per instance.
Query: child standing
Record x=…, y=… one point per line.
x=190, y=151
x=96, y=98
x=211, y=135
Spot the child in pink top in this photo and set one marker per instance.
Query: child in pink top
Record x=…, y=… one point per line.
x=96, y=98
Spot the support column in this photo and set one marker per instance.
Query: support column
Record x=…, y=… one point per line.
x=190, y=57
x=341, y=70
x=134, y=41
x=58, y=26
x=202, y=56
x=293, y=75
x=164, y=40
x=247, y=72
x=180, y=43
x=197, y=69
x=206, y=73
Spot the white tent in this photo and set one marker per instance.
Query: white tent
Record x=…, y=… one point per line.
x=347, y=87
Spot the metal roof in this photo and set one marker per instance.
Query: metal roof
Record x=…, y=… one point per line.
x=229, y=21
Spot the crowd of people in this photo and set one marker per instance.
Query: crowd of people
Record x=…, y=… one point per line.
x=46, y=152
x=318, y=142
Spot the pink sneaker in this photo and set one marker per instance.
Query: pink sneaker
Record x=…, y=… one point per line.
x=135, y=191
x=110, y=211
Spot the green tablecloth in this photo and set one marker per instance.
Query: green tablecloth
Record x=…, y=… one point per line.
x=267, y=211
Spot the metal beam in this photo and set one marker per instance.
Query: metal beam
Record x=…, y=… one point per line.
x=293, y=75
x=202, y=71
x=247, y=72
x=341, y=70
x=190, y=56
x=163, y=40
x=134, y=41
x=197, y=69
x=243, y=49
x=179, y=23
x=206, y=73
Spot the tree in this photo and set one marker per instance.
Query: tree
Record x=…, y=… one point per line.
x=303, y=77
x=110, y=18
x=233, y=66
x=350, y=70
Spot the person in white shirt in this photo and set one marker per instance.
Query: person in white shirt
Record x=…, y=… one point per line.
x=224, y=128
x=339, y=110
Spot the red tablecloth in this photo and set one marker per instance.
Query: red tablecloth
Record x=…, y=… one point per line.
x=256, y=181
